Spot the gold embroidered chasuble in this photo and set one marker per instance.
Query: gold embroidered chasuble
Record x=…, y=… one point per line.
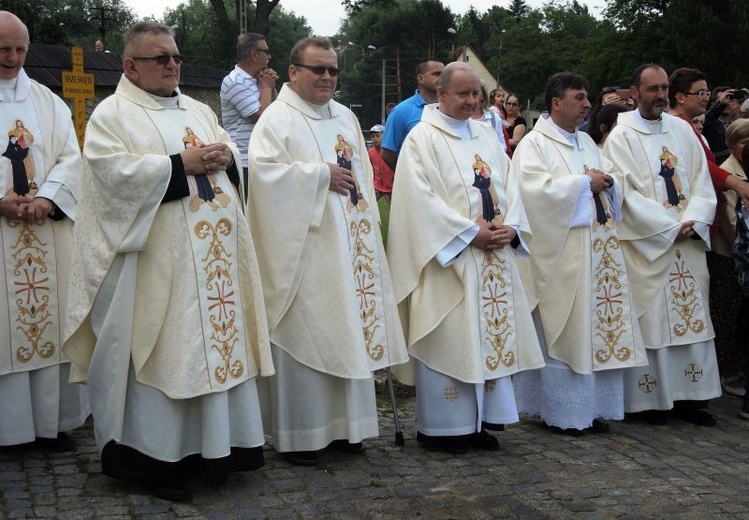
x=326, y=280
x=575, y=276
x=670, y=280
x=199, y=322
x=40, y=157
x=469, y=320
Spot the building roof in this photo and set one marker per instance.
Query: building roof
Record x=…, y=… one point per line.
x=45, y=64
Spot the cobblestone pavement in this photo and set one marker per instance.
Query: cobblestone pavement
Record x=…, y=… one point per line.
x=635, y=471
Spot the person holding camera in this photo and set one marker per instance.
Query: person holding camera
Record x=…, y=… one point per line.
x=724, y=110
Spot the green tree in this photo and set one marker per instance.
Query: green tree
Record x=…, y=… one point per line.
x=197, y=34
x=74, y=22
x=518, y=8
x=404, y=33
x=705, y=34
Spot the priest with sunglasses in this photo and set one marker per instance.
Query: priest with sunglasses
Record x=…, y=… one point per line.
x=328, y=294
x=167, y=322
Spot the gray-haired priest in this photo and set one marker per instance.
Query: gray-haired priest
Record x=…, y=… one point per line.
x=40, y=177
x=166, y=306
x=457, y=225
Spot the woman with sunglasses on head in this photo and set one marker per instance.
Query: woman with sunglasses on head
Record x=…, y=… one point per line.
x=517, y=123
x=688, y=97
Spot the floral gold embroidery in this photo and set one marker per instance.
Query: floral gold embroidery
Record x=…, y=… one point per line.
x=32, y=287
x=221, y=298
x=364, y=276
x=609, y=301
x=685, y=298
x=494, y=302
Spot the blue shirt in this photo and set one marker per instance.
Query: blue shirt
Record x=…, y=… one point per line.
x=401, y=120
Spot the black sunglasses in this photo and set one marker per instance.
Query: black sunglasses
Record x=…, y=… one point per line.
x=162, y=60
x=319, y=69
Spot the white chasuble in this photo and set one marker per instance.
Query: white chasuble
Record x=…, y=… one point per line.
x=326, y=279
x=29, y=296
x=666, y=182
x=210, y=215
x=199, y=326
x=469, y=320
x=359, y=221
x=576, y=275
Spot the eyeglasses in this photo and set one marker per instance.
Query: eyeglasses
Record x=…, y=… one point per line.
x=266, y=51
x=319, y=69
x=162, y=60
x=702, y=94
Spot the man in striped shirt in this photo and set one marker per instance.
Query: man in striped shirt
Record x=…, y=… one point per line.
x=247, y=91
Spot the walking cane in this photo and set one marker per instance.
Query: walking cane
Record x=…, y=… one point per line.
x=399, y=441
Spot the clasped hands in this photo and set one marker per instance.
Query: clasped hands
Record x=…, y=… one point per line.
x=686, y=231
x=26, y=209
x=599, y=181
x=267, y=78
x=206, y=160
x=492, y=236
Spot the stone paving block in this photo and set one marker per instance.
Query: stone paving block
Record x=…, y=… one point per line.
x=677, y=471
x=75, y=514
x=111, y=510
x=22, y=512
x=160, y=506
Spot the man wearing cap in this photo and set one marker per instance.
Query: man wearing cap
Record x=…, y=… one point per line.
x=383, y=174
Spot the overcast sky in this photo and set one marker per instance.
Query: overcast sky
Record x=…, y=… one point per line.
x=324, y=16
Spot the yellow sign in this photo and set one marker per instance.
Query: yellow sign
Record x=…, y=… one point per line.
x=76, y=56
x=77, y=84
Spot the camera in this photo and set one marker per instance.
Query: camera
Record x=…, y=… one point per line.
x=738, y=95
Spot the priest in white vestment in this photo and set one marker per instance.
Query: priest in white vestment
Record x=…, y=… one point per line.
x=669, y=204
x=329, y=298
x=576, y=280
x=39, y=179
x=167, y=322
x=456, y=227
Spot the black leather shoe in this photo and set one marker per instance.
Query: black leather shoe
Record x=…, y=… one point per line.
x=492, y=427
x=346, y=446
x=655, y=417
x=455, y=444
x=598, y=426
x=483, y=441
x=172, y=491
x=302, y=458
x=694, y=416
x=572, y=432
x=58, y=445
